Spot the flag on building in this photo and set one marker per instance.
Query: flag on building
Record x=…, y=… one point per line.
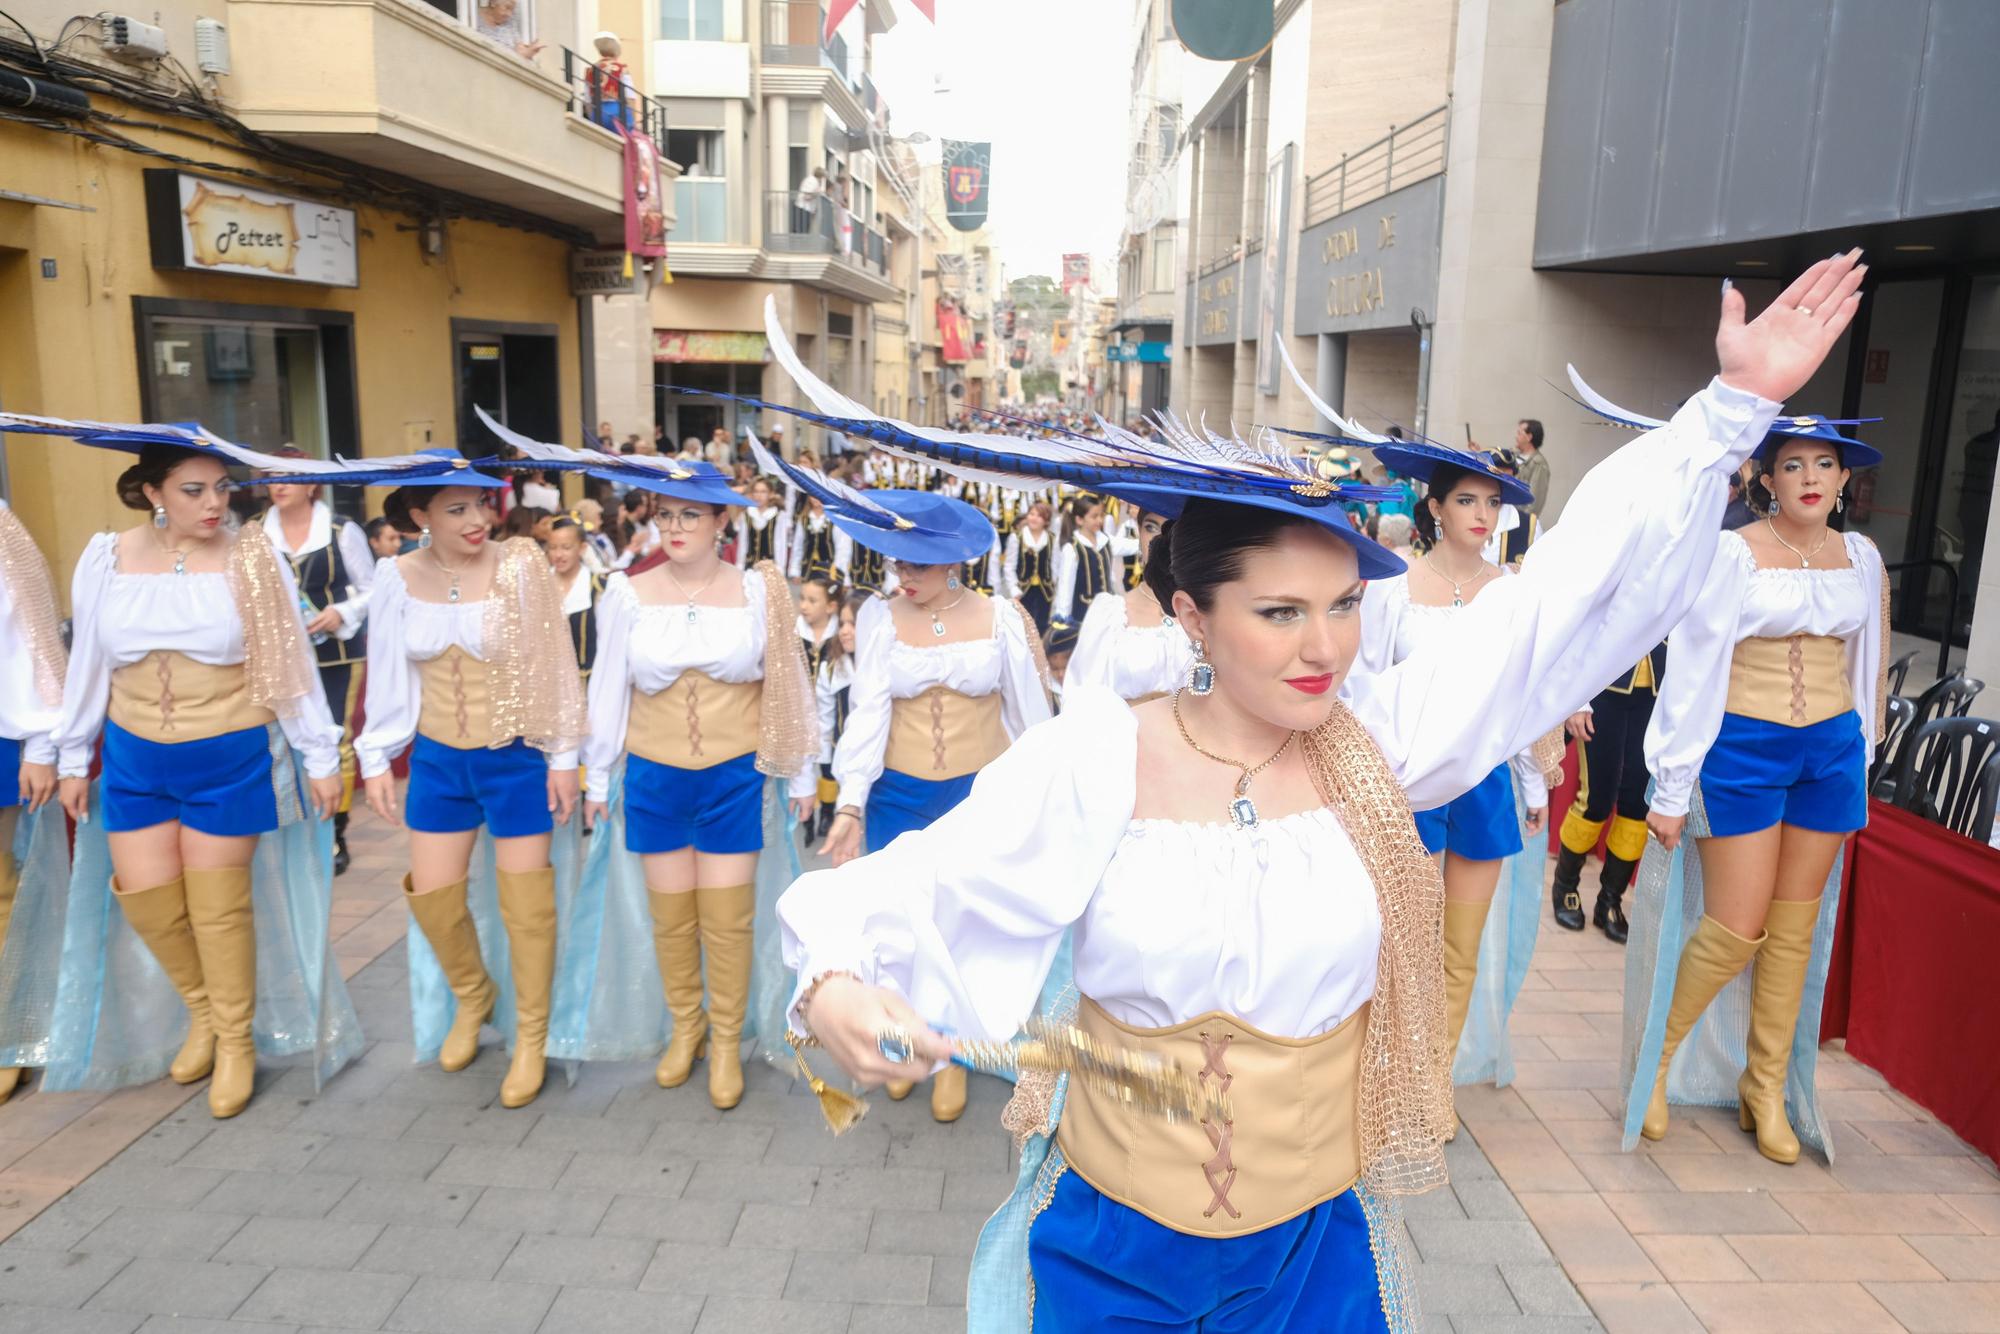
x=968, y=178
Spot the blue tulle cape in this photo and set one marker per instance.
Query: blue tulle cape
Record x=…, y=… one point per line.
x=30, y=961
x=1505, y=951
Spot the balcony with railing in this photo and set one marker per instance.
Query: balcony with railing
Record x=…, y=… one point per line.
x=616, y=105
x=797, y=226
x=797, y=61
x=1405, y=155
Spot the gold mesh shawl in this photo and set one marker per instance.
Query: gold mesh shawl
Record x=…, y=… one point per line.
x=1036, y=648
x=789, y=723
x=534, y=688
x=27, y=576
x=1405, y=1097
x=278, y=669
x=1548, y=753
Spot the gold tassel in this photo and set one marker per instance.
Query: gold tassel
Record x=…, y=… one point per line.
x=842, y=1110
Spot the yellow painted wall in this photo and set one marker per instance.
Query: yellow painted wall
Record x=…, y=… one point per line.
x=68, y=346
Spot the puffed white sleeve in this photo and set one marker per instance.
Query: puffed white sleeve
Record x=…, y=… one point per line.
x=310, y=728
x=1010, y=568
x=963, y=918
x=825, y=691
x=1094, y=660
x=1065, y=581
x=843, y=554
x=360, y=564
x=395, y=691
x=1024, y=697
x=87, y=685
x=857, y=760
x=1870, y=648
x=1529, y=778
x=993, y=564
x=791, y=565
x=781, y=540
x=610, y=686
x=1628, y=560
x=1383, y=603
x=1687, y=713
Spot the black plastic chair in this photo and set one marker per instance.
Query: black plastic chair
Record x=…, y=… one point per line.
x=1899, y=671
x=1894, y=732
x=1950, y=697
x=1945, y=774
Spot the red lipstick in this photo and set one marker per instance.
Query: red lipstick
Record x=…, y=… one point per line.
x=1311, y=685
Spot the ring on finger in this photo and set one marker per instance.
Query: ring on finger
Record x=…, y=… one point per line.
x=896, y=1046
x=1805, y=310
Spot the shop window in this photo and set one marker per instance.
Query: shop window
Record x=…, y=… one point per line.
x=512, y=372
x=691, y=20
x=506, y=23
x=701, y=195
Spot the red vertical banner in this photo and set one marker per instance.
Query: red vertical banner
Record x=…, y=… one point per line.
x=836, y=10
x=645, y=207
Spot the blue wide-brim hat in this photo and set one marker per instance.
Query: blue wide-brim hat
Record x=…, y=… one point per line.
x=1422, y=460
x=947, y=531
x=679, y=479
x=439, y=467
x=1812, y=426
x=1374, y=560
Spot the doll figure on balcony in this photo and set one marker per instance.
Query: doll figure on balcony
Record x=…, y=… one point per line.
x=608, y=85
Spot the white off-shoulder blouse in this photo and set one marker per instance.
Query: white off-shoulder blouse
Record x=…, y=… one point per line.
x=1278, y=924
x=1131, y=661
x=1743, y=602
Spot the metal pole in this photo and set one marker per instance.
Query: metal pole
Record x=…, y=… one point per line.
x=1423, y=325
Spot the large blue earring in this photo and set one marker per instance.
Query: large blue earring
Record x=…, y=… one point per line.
x=1201, y=676
x=424, y=539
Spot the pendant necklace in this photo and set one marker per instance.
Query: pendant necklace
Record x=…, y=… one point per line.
x=692, y=614
x=937, y=625
x=451, y=594
x=1805, y=557
x=1242, y=810
x=1457, y=595
x=180, y=557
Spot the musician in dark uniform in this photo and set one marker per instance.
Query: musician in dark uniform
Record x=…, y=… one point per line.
x=1611, y=786
x=335, y=570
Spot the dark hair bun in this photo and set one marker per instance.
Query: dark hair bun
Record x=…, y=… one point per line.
x=1159, y=573
x=397, y=506
x=155, y=463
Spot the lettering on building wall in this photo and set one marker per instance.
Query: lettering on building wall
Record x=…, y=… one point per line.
x=1366, y=268
x=1339, y=244
x=1354, y=293
x=1386, y=237
x=1216, y=300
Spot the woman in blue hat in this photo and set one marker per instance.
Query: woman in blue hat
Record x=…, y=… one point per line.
x=1478, y=831
x=34, y=854
x=944, y=679
x=190, y=658
x=471, y=668
x=701, y=686
x=1238, y=867
x=1759, y=747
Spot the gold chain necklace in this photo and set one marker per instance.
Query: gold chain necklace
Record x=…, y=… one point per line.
x=692, y=614
x=1805, y=557
x=1457, y=597
x=937, y=626
x=1242, y=810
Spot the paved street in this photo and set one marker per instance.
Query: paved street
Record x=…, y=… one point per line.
x=401, y=1198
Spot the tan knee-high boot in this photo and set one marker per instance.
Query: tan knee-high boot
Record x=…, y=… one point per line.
x=10, y=880
x=1464, y=924
x=225, y=935
x=677, y=944
x=447, y=924
x=1712, y=956
x=159, y=916
x=948, y=1094
x=528, y=907
x=726, y=916
x=1775, y=987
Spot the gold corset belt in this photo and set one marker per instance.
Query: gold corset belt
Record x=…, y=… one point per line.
x=697, y=722
x=1796, y=681
x=168, y=697
x=1293, y=1143
x=942, y=734
x=457, y=706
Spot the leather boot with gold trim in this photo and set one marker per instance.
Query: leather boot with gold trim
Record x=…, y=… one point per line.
x=726, y=916
x=1566, y=901
x=159, y=916
x=225, y=935
x=446, y=923
x=677, y=944
x=1464, y=924
x=1775, y=987
x=528, y=908
x=1713, y=955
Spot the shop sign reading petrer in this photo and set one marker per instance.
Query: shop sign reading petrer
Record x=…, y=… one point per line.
x=1366, y=268
x=222, y=227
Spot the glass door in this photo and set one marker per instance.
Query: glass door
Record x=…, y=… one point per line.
x=1971, y=440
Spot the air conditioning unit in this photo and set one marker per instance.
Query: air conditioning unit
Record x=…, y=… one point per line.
x=129, y=39
x=211, y=46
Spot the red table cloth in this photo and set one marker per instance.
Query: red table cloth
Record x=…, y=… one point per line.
x=1912, y=982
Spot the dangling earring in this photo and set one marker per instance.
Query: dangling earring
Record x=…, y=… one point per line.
x=424, y=540
x=1201, y=676
x=951, y=582
x=1840, y=502
x=1773, y=511
x=159, y=516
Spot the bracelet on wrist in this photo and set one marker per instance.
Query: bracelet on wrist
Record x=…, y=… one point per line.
x=804, y=1005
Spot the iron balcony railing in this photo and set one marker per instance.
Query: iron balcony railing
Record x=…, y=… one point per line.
x=600, y=100
x=1405, y=155
x=792, y=36
x=815, y=225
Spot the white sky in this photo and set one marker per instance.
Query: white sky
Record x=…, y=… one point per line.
x=1048, y=82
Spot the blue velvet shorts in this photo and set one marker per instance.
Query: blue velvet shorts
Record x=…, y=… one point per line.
x=1758, y=774
x=1480, y=826
x=899, y=803
x=719, y=809
x=220, y=785
x=452, y=790
x=1101, y=1267
x=10, y=770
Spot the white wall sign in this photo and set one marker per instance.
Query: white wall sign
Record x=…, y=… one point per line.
x=222, y=227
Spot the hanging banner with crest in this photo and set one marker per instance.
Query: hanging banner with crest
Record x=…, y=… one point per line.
x=968, y=176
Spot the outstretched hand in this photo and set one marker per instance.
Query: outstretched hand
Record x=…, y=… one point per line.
x=1776, y=353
